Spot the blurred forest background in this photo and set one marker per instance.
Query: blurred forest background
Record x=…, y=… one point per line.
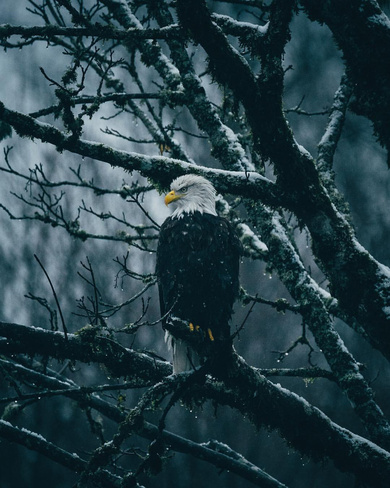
x=314, y=67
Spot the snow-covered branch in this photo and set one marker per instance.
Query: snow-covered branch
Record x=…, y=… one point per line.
x=242, y=388
x=268, y=406
x=37, y=443
x=365, y=50
x=284, y=258
x=232, y=462
x=99, y=31
x=85, y=346
x=159, y=168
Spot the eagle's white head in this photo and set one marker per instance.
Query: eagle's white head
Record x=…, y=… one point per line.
x=191, y=193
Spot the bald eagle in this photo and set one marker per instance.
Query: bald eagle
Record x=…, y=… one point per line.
x=197, y=266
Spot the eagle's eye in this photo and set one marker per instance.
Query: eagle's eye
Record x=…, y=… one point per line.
x=183, y=189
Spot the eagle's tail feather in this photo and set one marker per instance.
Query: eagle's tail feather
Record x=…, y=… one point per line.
x=184, y=358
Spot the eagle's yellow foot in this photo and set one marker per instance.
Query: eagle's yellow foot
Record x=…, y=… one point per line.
x=193, y=327
x=210, y=334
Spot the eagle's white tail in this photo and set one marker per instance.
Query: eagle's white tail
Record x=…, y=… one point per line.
x=184, y=358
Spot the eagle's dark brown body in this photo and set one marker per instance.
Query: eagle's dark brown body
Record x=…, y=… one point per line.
x=197, y=269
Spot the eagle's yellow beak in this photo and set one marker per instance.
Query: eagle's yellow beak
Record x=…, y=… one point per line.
x=171, y=197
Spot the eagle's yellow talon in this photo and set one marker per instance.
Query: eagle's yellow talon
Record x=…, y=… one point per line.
x=211, y=337
x=191, y=327
x=197, y=328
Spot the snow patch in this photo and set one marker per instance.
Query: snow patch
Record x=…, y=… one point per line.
x=380, y=19
x=248, y=236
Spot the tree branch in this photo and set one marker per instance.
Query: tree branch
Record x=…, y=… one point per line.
x=239, y=466
x=364, y=37
x=285, y=259
x=225, y=144
x=264, y=403
x=159, y=168
x=37, y=443
x=85, y=346
x=99, y=31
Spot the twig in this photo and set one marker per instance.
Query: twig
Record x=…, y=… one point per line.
x=55, y=297
x=239, y=329
x=301, y=340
